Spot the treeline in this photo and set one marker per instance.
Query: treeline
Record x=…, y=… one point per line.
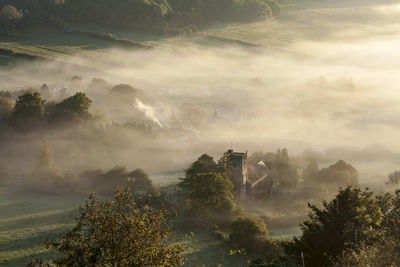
x=47, y=175
x=355, y=228
x=31, y=112
x=158, y=16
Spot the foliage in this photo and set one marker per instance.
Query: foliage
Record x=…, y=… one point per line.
x=310, y=172
x=9, y=18
x=394, y=178
x=45, y=161
x=212, y=191
x=124, y=89
x=352, y=218
x=6, y=106
x=250, y=234
x=274, y=257
x=5, y=94
x=72, y=109
x=106, y=182
x=203, y=164
x=339, y=174
x=140, y=182
x=209, y=197
x=46, y=173
x=283, y=172
x=3, y=172
x=248, y=10
x=160, y=16
x=121, y=232
x=29, y=111
x=380, y=254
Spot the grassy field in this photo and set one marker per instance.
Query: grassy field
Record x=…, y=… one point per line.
x=297, y=22
x=29, y=216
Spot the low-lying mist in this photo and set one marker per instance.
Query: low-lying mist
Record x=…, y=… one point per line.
x=336, y=94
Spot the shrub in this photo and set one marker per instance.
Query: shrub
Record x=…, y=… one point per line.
x=250, y=234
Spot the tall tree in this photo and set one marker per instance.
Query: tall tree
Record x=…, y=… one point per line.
x=46, y=173
x=72, y=109
x=120, y=232
x=393, y=178
x=29, y=111
x=209, y=197
x=353, y=218
x=203, y=164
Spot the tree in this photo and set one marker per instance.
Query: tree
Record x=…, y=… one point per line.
x=140, y=182
x=6, y=106
x=394, y=178
x=310, y=172
x=106, y=182
x=46, y=172
x=203, y=164
x=29, y=111
x=9, y=18
x=120, y=232
x=352, y=218
x=45, y=161
x=338, y=174
x=72, y=109
x=250, y=234
x=283, y=170
x=381, y=254
x=4, y=175
x=5, y=94
x=209, y=196
x=250, y=10
x=124, y=89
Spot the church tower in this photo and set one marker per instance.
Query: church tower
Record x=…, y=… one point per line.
x=237, y=163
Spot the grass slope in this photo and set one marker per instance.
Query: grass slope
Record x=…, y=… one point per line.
x=29, y=216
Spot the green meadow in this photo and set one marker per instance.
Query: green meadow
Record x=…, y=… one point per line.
x=29, y=216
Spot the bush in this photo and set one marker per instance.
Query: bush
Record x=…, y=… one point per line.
x=250, y=234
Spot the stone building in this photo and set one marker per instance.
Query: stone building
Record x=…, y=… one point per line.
x=236, y=163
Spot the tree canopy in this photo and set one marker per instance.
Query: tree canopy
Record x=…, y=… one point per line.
x=10, y=16
x=106, y=182
x=249, y=233
x=120, y=232
x=28, y=111
x=209, y=196
x=160, y=16
x=354, y=217
x=72, y=109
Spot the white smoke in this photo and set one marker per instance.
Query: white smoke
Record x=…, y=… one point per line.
x=148, y=111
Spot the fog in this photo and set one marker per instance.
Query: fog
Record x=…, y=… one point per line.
x=323, y=79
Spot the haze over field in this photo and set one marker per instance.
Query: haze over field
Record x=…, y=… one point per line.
x=320, y=79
